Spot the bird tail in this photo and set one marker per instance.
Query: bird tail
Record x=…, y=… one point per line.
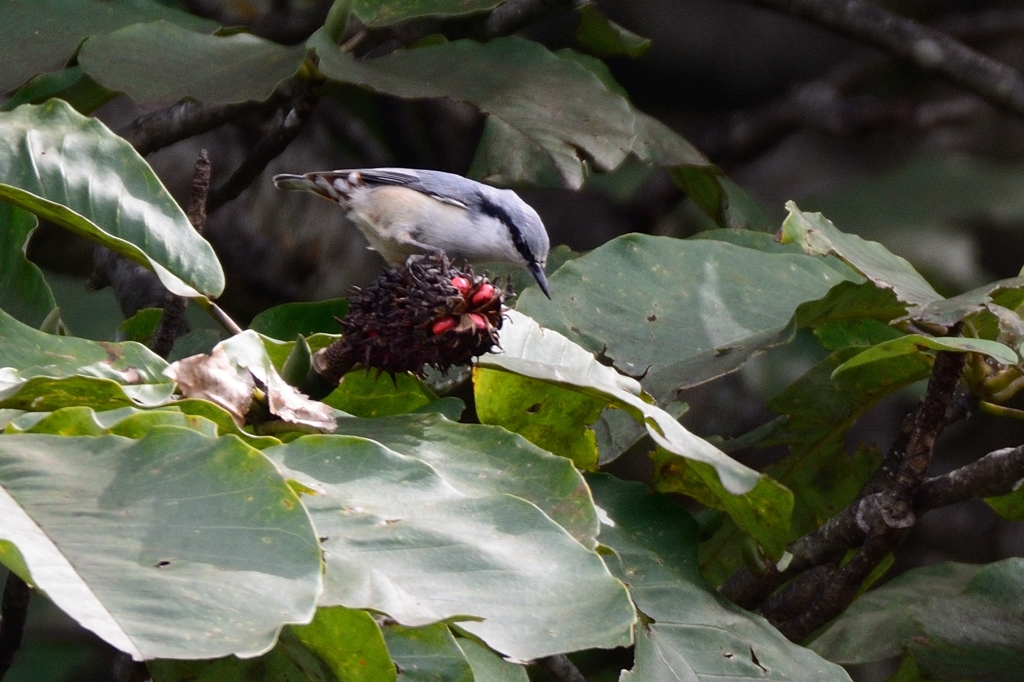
x=333, y=185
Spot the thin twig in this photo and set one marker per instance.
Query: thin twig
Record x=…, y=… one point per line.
x=265, y=151
x=13, y=612
x=158, y=129
x=171, y=326
x=997, y=473
x=928, y=48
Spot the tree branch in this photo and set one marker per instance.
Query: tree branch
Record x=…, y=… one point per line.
x=171, y=327
x=928, y=48
x=266, y=151
x=995, y=474
x=158, y=129
x=874, y=524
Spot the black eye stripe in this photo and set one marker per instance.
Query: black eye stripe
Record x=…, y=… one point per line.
x=489, y=208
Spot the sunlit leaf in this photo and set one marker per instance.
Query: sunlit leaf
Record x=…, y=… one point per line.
x=184, y=545
x=547, y=415
x=427, y=539
x=71, y=170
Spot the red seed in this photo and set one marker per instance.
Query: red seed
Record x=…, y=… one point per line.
x=479, y=320
x=443, y=325
x=462, y=284
x=484, y=294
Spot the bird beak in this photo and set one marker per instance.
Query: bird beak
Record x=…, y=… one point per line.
x=538, y=274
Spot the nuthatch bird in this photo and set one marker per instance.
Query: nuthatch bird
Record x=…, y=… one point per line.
x=402, y=211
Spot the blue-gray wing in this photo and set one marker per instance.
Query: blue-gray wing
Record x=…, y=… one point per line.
x=446, y=187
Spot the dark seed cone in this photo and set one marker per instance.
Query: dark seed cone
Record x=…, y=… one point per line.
x=425, y=314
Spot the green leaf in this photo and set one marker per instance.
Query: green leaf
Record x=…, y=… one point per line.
x=428, y=531
x=141, y=326
x=32, y=360
x=160, y=63
x=41, y=35
x=557, y=104
x=605, y=38
x=71, y=170
x=365, y=394
x=24, y=293
x=913, y=344
x=340, y=645
x=69, y=84
x=484, y=460
x=864, y=332
x=888, y=271
x=426, y=654
x=34, y=353
x=1008, y=293
x=692, y=633
x=127, y=422
x=384, y=12
x=763, y=512
x=193, y=546
x=532, y=351
x=549, y=416
x=488, y=666
x=44, y=394
x=957, y=620
x=285, y=321
x=679, y=312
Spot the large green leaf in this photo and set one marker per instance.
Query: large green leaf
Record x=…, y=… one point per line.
x=71, y=170
x=756, y=502
x=383, y=12
x=24, y=292
x=436, y=537
x=485, y=460
x=40, y=371
x=691, y=633
x=41, y=35
x=533, y=351
x=959, y=621
x=817, y=235
x=679, y=312
x=161, y=62
x=340, y=645
x=174, y=545
x=558, y=105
